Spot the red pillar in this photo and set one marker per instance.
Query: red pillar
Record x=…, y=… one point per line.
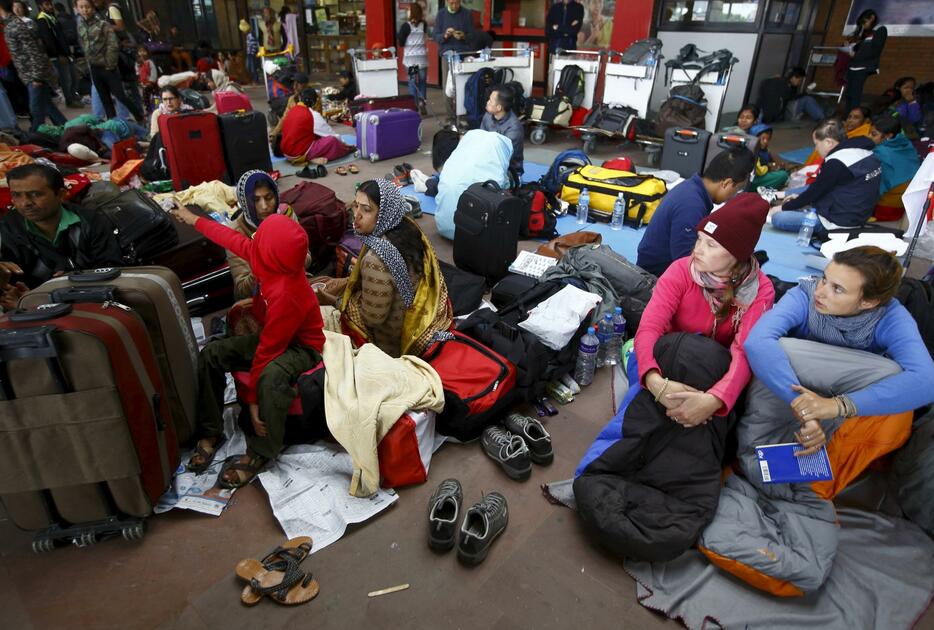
x=633, y=20
x=379, y=23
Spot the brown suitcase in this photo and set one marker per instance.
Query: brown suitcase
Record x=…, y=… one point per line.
x=155, y=293
x=87, y=443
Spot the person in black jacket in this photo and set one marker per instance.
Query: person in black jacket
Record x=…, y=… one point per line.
x=56, y=47
x=563, y=24
x=779, y=98
x=47, y=237
x=866, y=50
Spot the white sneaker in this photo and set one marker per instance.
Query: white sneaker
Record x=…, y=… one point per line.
x=419, y=180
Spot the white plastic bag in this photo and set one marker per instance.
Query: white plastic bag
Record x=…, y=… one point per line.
x=555, y=320
x=449, y=85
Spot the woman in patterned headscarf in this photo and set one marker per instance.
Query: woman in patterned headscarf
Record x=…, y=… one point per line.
x=257, y=198
x=396, y=297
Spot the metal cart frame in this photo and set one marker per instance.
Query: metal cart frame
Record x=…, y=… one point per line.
x=822, y=57
x=376, y=78
x=628, y=85
x=559, y=60
x=714, y=88
x=263, y=54
x=522, y=64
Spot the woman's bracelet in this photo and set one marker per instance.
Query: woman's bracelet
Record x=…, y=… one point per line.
x=845, y=406
x=663, y=390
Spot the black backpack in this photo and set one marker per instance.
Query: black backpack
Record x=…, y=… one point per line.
x=639, y=50
x=143, y=229
x=536, y=364
x=616, y=119
x=194, y=99
x=476, y=93
x=918, y=297
x=571, y=84
x=686, y=106
x=689, y=59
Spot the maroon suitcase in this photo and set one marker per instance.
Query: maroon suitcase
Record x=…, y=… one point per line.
x=85, y=411
x=193, y=148
x=387, y=102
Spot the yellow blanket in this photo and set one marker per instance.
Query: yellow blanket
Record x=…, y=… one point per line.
x=365, y=392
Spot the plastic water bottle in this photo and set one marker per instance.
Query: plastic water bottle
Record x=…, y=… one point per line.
x=649, y=59
x=583, y=207
x=485, y=54
x=587, y=358
x=619, y=211
x=456, y=57
x=807, y=228
x=607, y=335
x=619, y=326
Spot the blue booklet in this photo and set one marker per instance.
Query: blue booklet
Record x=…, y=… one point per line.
x=778, y=464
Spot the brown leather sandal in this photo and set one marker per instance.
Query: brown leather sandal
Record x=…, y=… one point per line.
x=206, y=454
x=253, y=467
x=278, y=570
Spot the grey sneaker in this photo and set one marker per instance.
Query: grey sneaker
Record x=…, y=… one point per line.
x=484, y=522
x=535, y=436
x=444, y=510
x=508, y=450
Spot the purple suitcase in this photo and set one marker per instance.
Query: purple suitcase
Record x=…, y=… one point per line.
x=388, y=133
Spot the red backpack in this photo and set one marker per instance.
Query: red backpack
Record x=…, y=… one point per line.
x=542, y=212
x=478, y=385
x=320, y=212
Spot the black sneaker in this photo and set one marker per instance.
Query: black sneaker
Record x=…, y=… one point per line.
x=535, y=436
x=508, y=450
x=482, y=524
x=444, y=510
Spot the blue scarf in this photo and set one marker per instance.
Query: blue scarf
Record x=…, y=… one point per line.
x=856, y=331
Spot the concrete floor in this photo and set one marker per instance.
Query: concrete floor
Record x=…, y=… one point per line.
x=541, y=573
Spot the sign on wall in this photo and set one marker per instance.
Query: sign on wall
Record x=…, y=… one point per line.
x=902, y=18
x=598, y=24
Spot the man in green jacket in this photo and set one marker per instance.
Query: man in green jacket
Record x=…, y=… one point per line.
x=100, y=46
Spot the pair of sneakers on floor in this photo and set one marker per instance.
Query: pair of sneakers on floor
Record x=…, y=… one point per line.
x=482, y=524
x=517, y=443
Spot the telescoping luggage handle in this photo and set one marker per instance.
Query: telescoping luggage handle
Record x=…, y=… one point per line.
x=686, y=135
x=102, y=274
x=32, y=343
x=731, y=140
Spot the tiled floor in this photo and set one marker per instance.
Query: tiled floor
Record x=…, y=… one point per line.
x=542, y=573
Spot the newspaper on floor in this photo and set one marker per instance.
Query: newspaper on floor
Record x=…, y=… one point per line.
x=307, y=488
x=201, y=492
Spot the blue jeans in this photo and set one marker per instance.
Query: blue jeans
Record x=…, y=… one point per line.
x=808, y=105
x=252, y=66
x=419, y=90
x=788, y=220
x=140, y=132
x=67, y=78
x=97, y=106
x=41, y=106
x=7, y=115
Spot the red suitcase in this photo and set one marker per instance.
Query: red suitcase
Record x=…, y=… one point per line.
x=193, y=148
x=86, y=414
x=228, y=102
x=387, y=102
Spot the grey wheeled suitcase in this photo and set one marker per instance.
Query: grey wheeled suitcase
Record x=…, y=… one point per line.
x=87, y=443
x=486, y=230
x=685, y=150
x=155, y=294
x=726, y=140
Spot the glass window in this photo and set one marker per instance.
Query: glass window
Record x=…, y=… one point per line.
x=785, y=13
x=709, y=12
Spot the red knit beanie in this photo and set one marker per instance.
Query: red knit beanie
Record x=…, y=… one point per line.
x=737, y=224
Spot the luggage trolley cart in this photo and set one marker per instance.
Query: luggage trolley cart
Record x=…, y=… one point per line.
x=589, y=61
x=714, y=85
x=463, y=65
x=377, y=76
x=627, y=85
x=822, y=57
x=279, y=59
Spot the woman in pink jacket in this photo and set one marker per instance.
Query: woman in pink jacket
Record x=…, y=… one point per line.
x=718, y=291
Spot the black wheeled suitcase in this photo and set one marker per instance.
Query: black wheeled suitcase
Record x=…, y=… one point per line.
x=246, y=144
x=86, y=430
x=685, y=150
x=724, y=141
x=486, y=230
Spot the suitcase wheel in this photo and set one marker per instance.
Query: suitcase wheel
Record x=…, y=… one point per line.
x=133, y=532
x=85, y=539
x=590, y=143
x=538, y=135
x=42, y=544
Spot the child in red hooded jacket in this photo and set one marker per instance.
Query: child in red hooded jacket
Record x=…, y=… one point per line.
x=289, y=343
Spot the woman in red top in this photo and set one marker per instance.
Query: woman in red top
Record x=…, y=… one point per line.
x=303, y=138
x=717, y=291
